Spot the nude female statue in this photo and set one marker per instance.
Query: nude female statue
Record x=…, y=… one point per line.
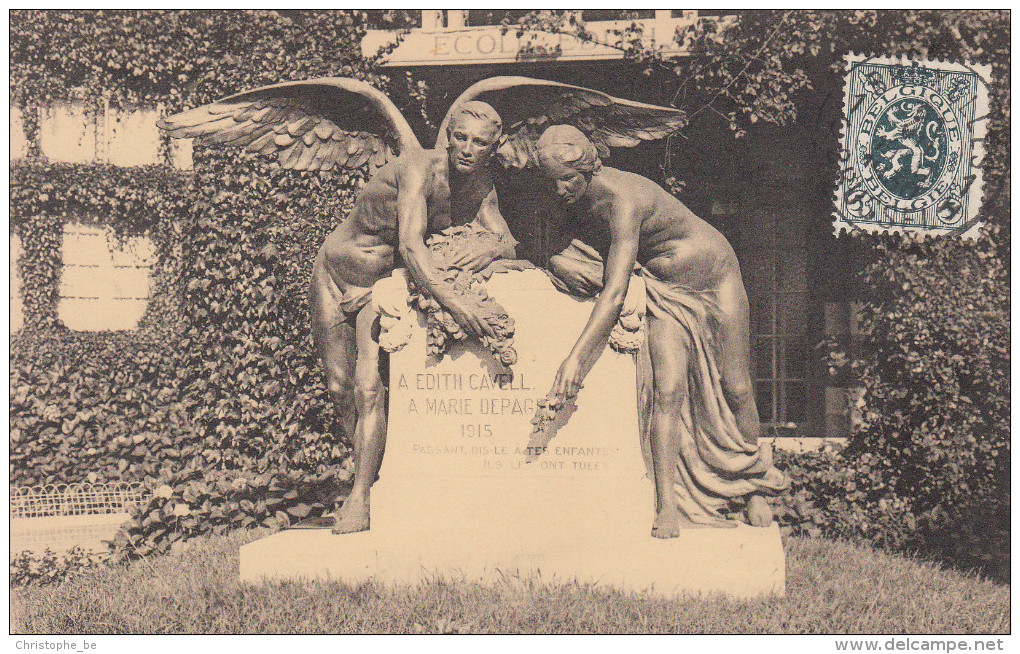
x=704, y=423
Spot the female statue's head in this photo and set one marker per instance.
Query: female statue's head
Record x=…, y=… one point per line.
x=568, y=159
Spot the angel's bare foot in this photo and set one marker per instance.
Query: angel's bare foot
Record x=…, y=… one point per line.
x=667, y=524
x=352, y=516
x=759, y=513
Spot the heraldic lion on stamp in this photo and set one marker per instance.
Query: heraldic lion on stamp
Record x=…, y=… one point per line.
x=912, y=146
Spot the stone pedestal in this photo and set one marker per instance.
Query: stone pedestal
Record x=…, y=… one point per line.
x=466, y=492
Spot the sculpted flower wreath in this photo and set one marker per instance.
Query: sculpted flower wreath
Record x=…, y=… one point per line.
x=441, y=328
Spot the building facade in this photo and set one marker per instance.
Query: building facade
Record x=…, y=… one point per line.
x=763, y=192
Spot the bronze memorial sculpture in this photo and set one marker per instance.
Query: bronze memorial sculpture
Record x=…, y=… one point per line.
x=415, y=193
x=703, y=421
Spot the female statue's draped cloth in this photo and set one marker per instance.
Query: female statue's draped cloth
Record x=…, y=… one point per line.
x=716, y=463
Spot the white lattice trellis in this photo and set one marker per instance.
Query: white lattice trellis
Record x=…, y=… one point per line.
x=74, y=499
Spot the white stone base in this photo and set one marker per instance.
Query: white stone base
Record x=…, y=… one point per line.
x=742, y=562
x=466, y=490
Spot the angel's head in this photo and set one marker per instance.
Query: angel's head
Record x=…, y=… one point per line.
x=473, y=133
x=569, y=160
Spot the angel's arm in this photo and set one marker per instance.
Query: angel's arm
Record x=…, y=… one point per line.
x=624, y=226
x=412, y=221
x=412, y=224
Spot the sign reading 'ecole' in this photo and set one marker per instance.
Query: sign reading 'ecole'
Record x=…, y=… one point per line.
x=491, y=44
x=486, y=43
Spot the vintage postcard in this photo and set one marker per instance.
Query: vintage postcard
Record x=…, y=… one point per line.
x=655, y=321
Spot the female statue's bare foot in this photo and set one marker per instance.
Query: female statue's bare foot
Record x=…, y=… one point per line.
x=759, y=513
x=667, y=524
x=351, y=517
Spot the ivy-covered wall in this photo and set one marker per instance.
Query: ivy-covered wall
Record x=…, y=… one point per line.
x=219, y=381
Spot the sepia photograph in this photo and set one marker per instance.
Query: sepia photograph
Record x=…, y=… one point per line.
x=519, y=321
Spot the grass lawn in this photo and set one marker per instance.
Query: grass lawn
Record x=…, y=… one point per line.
x=831, y=588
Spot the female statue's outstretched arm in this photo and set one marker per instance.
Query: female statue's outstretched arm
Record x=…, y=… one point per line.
x=624, y=227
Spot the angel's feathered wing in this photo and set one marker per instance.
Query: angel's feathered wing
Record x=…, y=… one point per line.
x=528, y=106
x=309, y=125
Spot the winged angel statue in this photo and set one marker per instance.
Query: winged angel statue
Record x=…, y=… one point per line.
x=413, y=192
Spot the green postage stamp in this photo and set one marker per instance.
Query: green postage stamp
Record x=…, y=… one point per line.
x=912, y=146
